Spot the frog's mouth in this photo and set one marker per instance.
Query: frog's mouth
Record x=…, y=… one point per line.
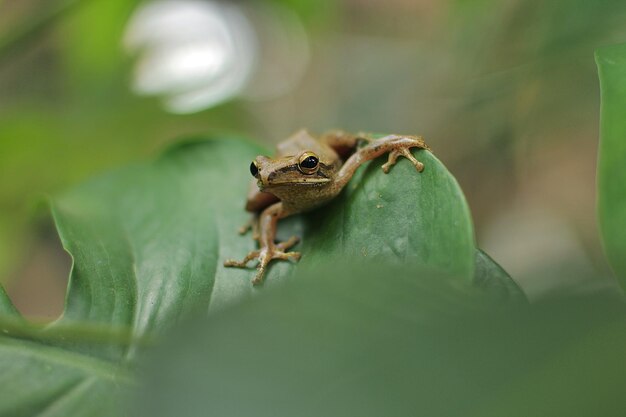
x=301, y=181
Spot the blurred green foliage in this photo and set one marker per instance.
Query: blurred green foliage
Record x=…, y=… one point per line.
x=528, y=66
x=372, y=341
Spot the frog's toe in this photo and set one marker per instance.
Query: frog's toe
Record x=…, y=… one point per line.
x=391, y=161
x=393, y=158
x=260, y=275
x=283, y=246
x=408, y=155
x=406, y=152
x=242, y=264
x=288, y=255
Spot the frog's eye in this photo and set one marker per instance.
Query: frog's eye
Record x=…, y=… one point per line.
x=309, y=163
x=254, y=169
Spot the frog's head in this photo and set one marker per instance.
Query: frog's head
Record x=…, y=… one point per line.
x=302, y=169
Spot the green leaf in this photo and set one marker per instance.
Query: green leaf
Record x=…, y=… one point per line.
x=6, y=306
x=375, y=341
x=612, y=156
x=42, y=380
x=493, y=278
x=148, y=241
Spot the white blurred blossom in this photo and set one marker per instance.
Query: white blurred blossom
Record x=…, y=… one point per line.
x=198, y=53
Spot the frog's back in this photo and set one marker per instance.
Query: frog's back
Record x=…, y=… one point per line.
x=302, y=141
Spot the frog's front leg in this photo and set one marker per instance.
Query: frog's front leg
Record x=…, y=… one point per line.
x=394, y=145
x=251, y=224
x=268, y=250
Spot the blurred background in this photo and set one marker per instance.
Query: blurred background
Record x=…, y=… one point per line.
x=504, y=91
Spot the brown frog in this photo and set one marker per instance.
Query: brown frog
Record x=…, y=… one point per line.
x=307, y=173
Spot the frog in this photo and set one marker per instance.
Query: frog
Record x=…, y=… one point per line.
x=308, y=172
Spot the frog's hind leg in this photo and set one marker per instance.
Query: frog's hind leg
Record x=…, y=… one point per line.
x=251, y=224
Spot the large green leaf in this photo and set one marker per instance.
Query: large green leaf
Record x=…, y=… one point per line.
x=148, y=242
x=612, y=158
x=374, y=341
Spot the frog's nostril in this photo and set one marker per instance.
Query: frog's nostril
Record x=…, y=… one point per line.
x=254, y=169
